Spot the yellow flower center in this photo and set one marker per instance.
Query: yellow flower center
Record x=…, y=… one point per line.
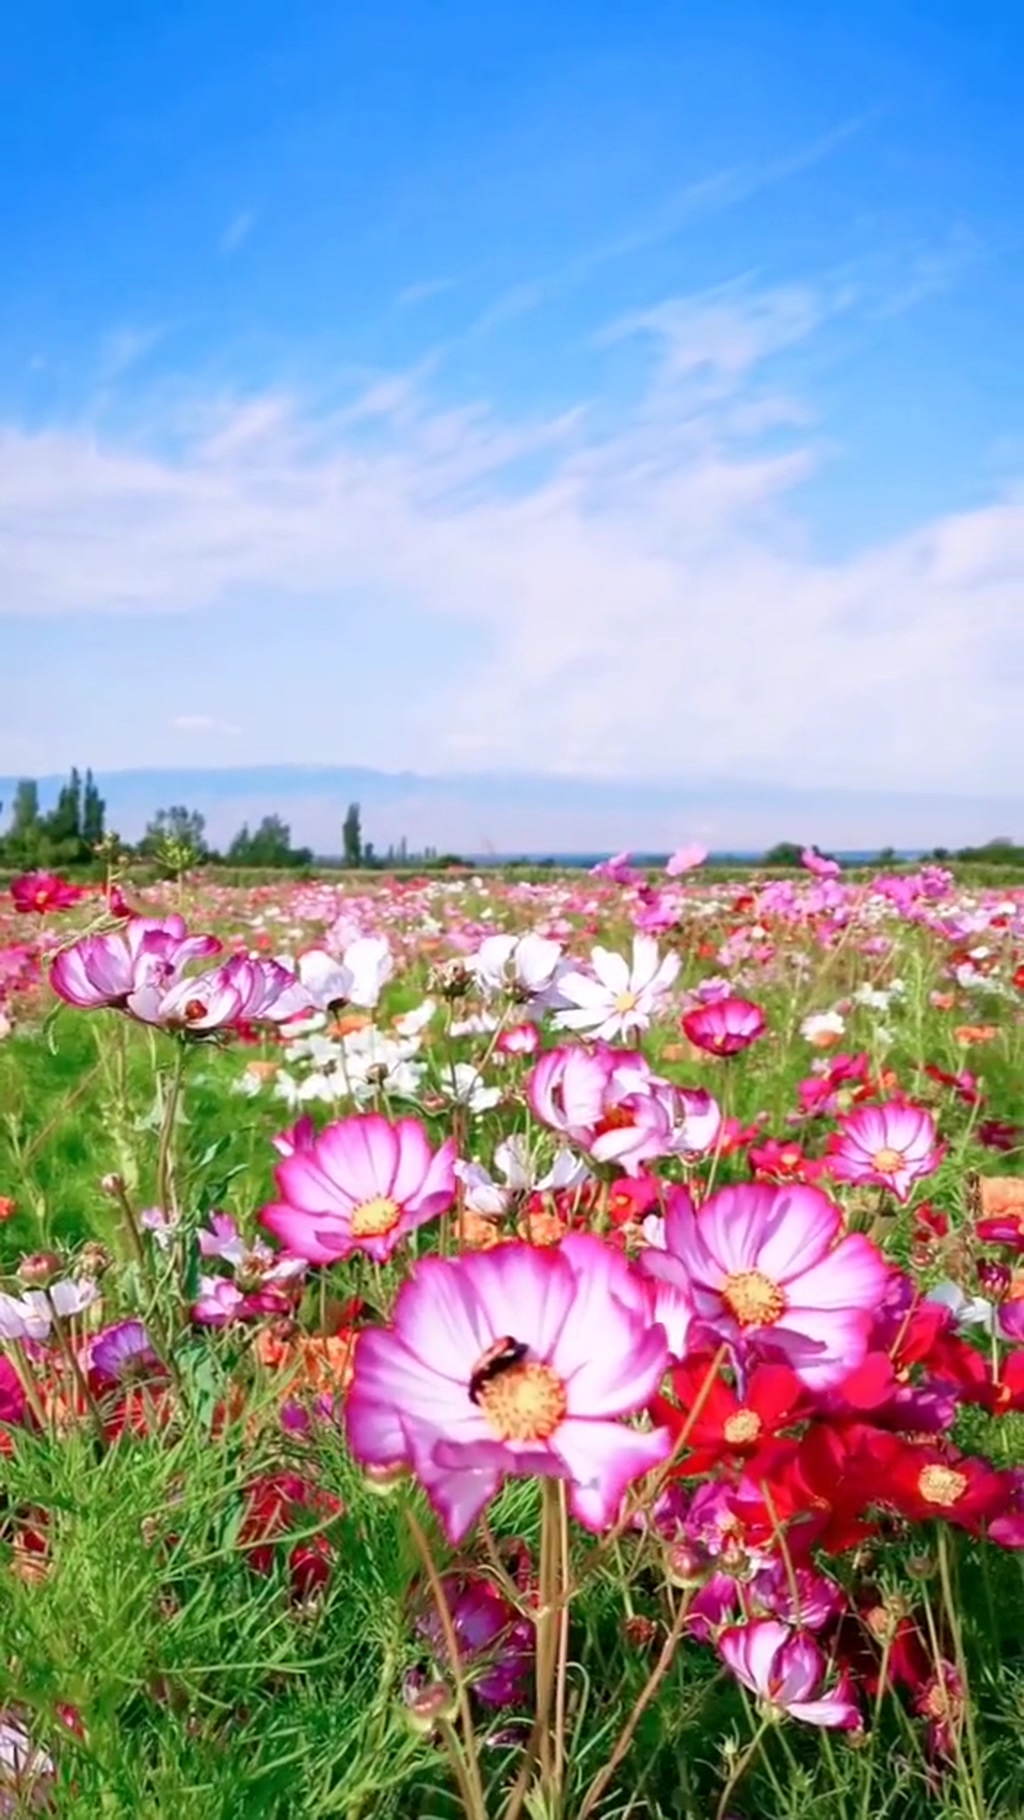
x=745, y=1425
x=753, y=1299
x=941, y=1485
x=375, y=1217
x=887, y=1160
x=525, y=1403
x=626, y=1001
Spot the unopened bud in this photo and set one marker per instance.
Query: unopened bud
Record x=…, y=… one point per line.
x=640, y=1631
x=114, y=1185
x=39, y=1268
x=428, y=1705
x=687, y=1564
x=383, y=1479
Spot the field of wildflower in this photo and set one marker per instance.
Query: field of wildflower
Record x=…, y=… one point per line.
x=500, y=1349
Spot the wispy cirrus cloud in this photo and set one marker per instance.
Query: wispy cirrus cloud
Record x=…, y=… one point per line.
x=238, y=231
x=202, y=723
x=633, y=591
x=424, y=290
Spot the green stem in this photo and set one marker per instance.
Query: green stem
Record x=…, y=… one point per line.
x=465, y=1759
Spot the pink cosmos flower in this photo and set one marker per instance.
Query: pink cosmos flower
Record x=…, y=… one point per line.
x=724, y=1027
x=147, y=954
x=767, y=1271
x=786, y=1671
x=301, y=1136
x=240, y=991
x=888, y=1146
x=606, y=1101
x=490, y=1370
x=616, y=999
x=815, y=862
x=363, y=1185
x=34, y=893
x=686, y=859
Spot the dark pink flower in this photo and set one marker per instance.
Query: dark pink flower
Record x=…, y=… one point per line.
x=725, y=1027
x=37, y=892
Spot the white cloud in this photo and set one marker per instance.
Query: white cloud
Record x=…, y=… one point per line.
x=202, y=723
x=644, y=586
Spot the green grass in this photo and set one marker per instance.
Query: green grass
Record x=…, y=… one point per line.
x=205, y=1691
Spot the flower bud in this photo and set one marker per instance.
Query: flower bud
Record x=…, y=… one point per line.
x=39, y=1268
x=687, y=1564
x=429, y=1704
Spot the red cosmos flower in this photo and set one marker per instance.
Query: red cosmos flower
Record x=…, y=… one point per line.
x=725, y=1027
x=728, y=1426
x=783, y=1162
x=964, y=1084
x=8, y=1208
x=633, y=1197
x=1018, y=979
x=819, y=1489
x=277, y=1505
x=34, y=893
x=924, y=1483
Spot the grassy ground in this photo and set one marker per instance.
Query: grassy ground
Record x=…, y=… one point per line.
x=204, y=1689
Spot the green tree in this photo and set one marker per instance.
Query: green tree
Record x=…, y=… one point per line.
x=178, y=825
x=94, y=815
x=352, y=837
x=25, y=815
x=784, y=853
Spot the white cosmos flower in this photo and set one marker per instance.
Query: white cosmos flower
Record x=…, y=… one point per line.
x=616, y=999
x=466, y=1085
x=357, y=979
x=528, y=966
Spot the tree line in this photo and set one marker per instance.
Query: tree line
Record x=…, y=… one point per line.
x=74, y=835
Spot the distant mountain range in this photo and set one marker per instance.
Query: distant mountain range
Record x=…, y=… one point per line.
x=491, y=814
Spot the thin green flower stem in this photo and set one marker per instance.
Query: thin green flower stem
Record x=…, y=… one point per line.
x=166, y=1186
x=740, y=1767
x=646, y=1695
x=946, y=1582
x=466, y=1762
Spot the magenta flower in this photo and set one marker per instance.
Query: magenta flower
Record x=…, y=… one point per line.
x=724, y=1027
x=146, y=954
x=240, y=991
x=34, y=893
x=606, y=1101
x=786, y=1671
x=301, y=1136
x=492, y=1368
x=889, y=1146
x=363, y=1185
x=496, y=1644
x=766, y=1270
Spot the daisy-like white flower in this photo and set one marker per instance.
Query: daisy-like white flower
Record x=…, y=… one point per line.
x=525, y=966
x=358, y=978
x=490, y=1370
x=786, y=1670
x=616, y=999
x=888, y=1146
x=768, y=1270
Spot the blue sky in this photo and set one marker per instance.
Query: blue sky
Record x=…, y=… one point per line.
x=603, y=391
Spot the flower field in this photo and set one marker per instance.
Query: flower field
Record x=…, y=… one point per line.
x=536, y=1351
